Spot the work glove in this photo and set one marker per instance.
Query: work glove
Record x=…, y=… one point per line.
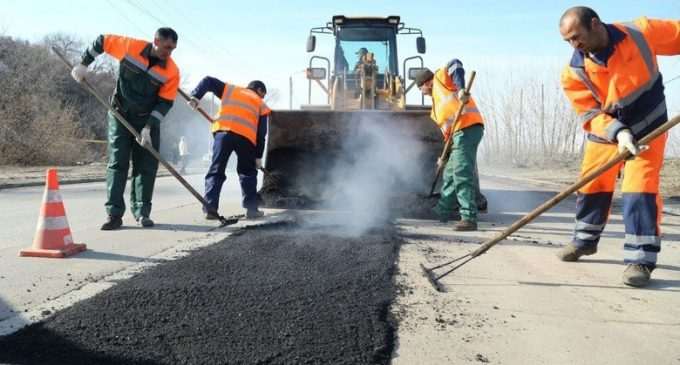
x=626, y=142
x=463, y=96
x=258, y=163
x=79, y=72
x=440, y=163
x=145, y=137
x=193, y=103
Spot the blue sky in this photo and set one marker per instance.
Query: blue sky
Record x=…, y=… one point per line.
x=241, y=41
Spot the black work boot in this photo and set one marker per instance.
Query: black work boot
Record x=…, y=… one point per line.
x=112, y=222
x=145, y=221
x=254, y=213
x=444, y=217
x=465, y=225
x=482, y=206
x=211, y=216
x=571, y=253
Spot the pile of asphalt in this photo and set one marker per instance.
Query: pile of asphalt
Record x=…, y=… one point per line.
x=285, y=294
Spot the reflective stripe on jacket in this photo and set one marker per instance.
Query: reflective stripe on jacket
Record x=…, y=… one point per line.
x=627, y=90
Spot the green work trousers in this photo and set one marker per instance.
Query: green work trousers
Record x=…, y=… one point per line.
x=460, y=182
x=122, y=148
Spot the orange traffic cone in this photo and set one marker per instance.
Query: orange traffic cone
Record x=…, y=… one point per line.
x=53, y=235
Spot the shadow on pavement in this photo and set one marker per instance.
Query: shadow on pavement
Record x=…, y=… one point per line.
x=36, y=344
x=620, y=262
x=654, y=284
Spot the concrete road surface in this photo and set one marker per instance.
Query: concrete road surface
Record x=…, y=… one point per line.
x=517, y=304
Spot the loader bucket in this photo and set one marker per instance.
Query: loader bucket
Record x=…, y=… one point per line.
x=311, y=153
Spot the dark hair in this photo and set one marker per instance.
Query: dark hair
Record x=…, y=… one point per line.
x=257, y=85
x=166, y=33
x=584, y=15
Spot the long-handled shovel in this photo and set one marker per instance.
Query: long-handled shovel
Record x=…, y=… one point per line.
x=449, y=141
x=434, y=278
x=223, y=221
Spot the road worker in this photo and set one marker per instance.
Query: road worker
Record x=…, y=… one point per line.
x=145, y=91
x=613, y=83
x=241, y=127
x=460, y=185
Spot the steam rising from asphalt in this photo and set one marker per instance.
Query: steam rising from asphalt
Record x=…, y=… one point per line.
x=379, y=160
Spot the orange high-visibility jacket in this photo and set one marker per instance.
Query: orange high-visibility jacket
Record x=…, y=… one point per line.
x=627, y=91
x=140, y=89
x=240, y=112
x=445, y=104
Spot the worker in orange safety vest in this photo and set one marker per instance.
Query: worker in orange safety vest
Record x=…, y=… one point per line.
x=241, y=127
x=460, y=185
x=614, y=85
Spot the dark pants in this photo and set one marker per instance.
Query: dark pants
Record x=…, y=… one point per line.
x=123, y=147
x=225, y=143
x=460, y=181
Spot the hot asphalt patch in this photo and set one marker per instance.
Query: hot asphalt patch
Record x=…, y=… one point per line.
x=286, y=294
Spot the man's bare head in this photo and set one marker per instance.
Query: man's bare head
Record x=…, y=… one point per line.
x=582, y=28
x=164, y=42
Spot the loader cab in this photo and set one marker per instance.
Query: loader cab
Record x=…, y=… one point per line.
x=364, y=70
x=360, y=45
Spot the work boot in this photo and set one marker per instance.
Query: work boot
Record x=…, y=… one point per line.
x=465, y=225
x=211, y=216
x=482, y=206
x=254, y=214
x=571, y=253
x=444, y=218
x=637, y=275
x=145, y=222
x=112, y=222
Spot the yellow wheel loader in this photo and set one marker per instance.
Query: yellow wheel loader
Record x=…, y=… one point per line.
x=366, y=134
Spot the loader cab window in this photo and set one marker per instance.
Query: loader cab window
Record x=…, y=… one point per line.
x=352, y=42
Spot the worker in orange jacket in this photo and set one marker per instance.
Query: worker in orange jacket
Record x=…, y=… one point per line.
x=613, y=83
x=145, y=91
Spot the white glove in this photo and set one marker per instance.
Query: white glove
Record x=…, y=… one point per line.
x=463, y=96
x=440, y=163
x=625, y=139
x=79, y=72
x=145, y=136
x=193, y=103
x=258, y=163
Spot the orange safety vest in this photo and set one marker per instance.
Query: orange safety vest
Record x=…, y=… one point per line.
x=445, y=105
x=240, y=112
x=165, y=74
x=627, y=92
